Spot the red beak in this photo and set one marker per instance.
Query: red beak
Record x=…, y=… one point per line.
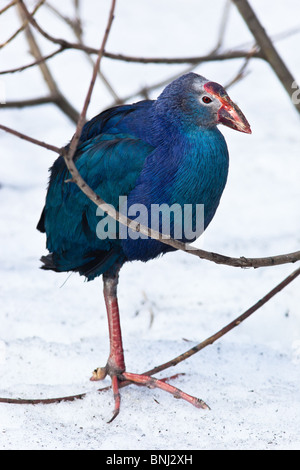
x=229, y=114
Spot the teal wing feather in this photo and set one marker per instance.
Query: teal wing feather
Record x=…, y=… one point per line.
x=110, y=164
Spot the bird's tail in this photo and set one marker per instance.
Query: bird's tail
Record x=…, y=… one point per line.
x=92, y=265
x=48, y=263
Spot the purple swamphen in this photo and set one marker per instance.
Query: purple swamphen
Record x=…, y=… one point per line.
x=166, y=152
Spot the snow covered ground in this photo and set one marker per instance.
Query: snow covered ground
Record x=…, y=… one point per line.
x=53, y=327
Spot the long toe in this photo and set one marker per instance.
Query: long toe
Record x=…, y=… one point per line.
x=152, y=382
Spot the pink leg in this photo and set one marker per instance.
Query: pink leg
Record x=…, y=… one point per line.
x=115, y=366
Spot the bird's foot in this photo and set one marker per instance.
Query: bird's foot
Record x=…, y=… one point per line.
x=115, y=373
x=119, y=380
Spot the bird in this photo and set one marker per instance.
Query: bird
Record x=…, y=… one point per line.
x=162, y=153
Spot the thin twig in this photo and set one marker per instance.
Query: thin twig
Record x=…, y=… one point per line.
x=12, y=3
x=239, y=53
x=176, y=360
x=75, y=24
x=77, y=29
x=28, y=102
x=195, y=60
x=75, y=139
x=228, y=327
x=32, y=140
x=24, y=25
x=32, y=64
x=242, y=71
x=236, y=54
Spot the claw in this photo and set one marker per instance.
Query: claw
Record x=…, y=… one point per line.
x=117, y=397
x=115, y=414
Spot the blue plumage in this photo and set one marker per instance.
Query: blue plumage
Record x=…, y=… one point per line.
x=166, y=154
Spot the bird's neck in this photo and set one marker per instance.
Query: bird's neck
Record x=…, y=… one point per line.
x=188, y=168
x=193, y=158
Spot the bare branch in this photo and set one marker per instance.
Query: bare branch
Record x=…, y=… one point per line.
x=195, y=60
x=236, y=54
x=228, y=327
x=24, y=25
x=212, y=57
x=28, y=102
x=242, y=262
x=78, y=31
x=74, y=142
x=12, y=3
x=36, y=62
x=32, y=140
x=242, y=71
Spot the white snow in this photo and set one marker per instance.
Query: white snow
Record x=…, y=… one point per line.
x=53, y=327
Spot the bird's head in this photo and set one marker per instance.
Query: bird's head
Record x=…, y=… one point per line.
x=202, y=103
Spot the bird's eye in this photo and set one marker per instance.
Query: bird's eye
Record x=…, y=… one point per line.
x=206, y=99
